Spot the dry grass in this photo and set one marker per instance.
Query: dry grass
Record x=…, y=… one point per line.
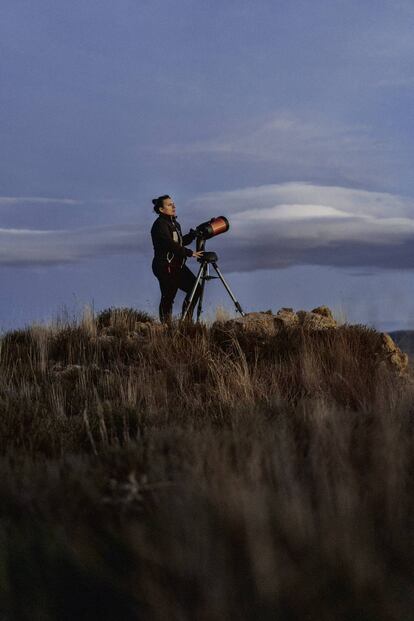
x=178, y=475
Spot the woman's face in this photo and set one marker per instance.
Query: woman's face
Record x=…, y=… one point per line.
x=168, y=207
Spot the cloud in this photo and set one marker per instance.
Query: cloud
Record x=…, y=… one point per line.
x=298, y=147
x=279, y=137
x=271, y=226
x=20, y=200
x=27, y=247
x=274, y=226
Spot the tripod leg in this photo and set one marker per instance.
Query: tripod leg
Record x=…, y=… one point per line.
x=184, y=315
x=236, y=303
x=200, y=300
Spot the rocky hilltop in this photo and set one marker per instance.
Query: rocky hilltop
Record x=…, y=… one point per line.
x=261, y=330
x=259, y=326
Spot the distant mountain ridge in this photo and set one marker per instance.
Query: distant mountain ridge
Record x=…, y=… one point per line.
x=404, y=339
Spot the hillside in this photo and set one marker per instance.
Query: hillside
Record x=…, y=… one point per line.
x=254, y=469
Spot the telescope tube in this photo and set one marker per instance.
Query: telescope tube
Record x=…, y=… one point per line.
x=213, y=227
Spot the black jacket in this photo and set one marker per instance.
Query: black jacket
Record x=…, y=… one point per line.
x=162, y=233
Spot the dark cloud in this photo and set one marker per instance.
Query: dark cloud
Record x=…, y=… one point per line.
x=283, y=254
x=22, y=247
x=277, y=226
x=271, y=227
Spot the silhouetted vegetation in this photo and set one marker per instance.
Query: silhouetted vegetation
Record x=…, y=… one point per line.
x=178, y=473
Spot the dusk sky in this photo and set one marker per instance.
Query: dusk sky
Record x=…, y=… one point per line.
x=292, y=118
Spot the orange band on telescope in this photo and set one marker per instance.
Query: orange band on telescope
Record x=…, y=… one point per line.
x=219, y=226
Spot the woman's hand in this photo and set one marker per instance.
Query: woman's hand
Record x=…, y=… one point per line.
x=198, y=254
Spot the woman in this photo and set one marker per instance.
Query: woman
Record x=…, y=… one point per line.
x=170, y=256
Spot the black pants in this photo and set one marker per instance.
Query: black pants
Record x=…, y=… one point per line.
x=172, y=277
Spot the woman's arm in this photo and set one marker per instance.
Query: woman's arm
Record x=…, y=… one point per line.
x=189, y=237
x=162, y=239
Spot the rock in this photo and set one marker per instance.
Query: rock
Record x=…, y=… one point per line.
x=316, y=320
x=391, y=353
x=258, y=325
x=323, y=310
x=286, y=318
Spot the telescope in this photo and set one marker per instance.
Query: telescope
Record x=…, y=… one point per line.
x=213, y=227
x=204, y=231
x=209, y=229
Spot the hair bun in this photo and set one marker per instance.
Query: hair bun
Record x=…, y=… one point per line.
x=154, y=200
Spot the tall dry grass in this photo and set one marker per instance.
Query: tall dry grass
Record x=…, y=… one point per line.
x=179, y=474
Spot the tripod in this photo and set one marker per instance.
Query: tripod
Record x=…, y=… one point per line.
x=204, y=275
